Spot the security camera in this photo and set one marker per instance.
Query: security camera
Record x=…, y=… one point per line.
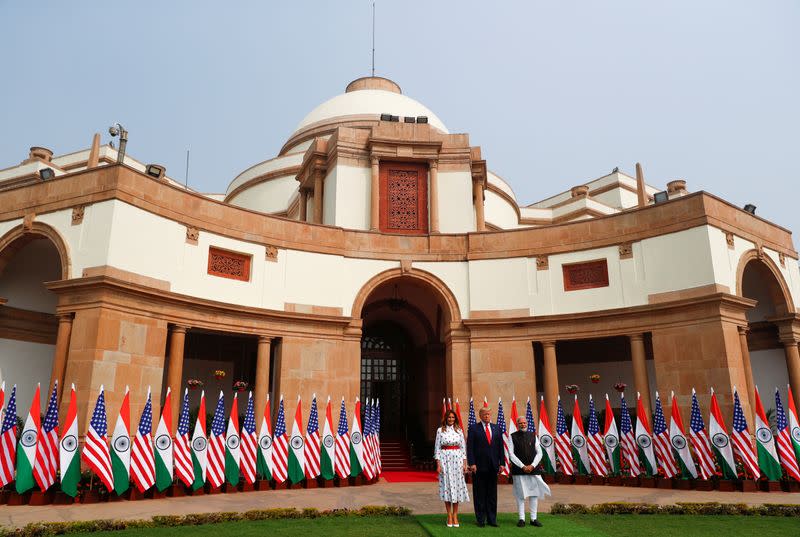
x=113, y=130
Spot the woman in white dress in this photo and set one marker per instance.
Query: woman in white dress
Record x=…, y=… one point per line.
x=451, y=465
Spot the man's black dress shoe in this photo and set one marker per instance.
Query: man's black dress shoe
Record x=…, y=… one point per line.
x=536, y=523
x=481, y=524
x=521, y=524
x=493, y=524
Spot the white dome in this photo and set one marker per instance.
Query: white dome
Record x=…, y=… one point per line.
x=370, y=101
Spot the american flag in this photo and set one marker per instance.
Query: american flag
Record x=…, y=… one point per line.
x=699, y=439
x=629, y=448
x=8, y=440
x=249, y=449
x=369, y=455
x=312, y=445
x=505, y=469
x=216, y=445
x=95, y=448
x=529, y=417
x=742, y=444
x=47, y=445
x=662, y=442
x=376, y=432
x=784, y=440
x=342, y=462
x=471, y=416
x=183, y=457
x=595, y=440
x=280, y=448
x=563, y=449
x=143, y=466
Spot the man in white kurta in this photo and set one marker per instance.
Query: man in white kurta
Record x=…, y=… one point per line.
x=525, y=454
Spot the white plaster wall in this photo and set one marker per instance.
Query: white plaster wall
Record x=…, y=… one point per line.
x=497, y=211
x=612, y=198
x=261, y=168
x=500, y=183
x=677, y=261
x=456, y=213
x=789, y=273
x=769, y=372
x=726, y=260
x=352, y=197
x=499, y=284
x=24, y=363
x=356, y=273
x=329, y=195
x=456, y=277
x=271, y=196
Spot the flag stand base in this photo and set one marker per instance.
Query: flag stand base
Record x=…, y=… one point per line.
x=41, y=498
x=598, y=480
x=195, y=492
x=766, y=486
x=244, y=486
x=177, y=490
x=748, y=485
x=630, y=481
x=614, y=481
x=227, y=488
x=298, y=485
x=324, y=483
x=647, y=482
x=582, y=479
x=263, y=484
x=339, y=482
x=212, y=490
x=310, y=483
x=88, y=496
x=135, y=495
x=682, y=484
x=280, y=486
x=564, y=479
x=158, y=494
x=704, y=485
x=665, y=483
x=726, y=485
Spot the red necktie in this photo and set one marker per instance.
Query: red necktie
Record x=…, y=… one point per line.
x=488, y=435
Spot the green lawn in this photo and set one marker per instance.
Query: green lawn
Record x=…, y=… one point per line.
x=434, y=525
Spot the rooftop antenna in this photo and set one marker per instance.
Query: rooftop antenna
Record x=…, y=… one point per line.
x=373, y=39
x=186, y=175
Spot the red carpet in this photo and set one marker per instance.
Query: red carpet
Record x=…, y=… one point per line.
x=410, y=476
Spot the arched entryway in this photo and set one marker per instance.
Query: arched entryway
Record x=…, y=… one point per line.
x=772, y=327
x=29, y=257
x=406, y=320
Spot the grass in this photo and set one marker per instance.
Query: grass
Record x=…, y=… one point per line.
x=621, y=526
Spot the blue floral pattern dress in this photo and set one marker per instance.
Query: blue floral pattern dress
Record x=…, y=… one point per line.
x=451, y=453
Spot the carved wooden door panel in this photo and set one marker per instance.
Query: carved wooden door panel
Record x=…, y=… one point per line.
x=404, y=198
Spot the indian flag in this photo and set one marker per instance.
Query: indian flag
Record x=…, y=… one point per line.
x=163, y=454
x=794, y=426
x=356, y=442
x=765, y=444
x=26, y=453
x=720, y=441
x=233, y=444
x=546, y=440
x=200, y=445
x=121, y=447
x=677, y=437
x=580, y=453
x=69, y=462
x=264, y=456
x=327, y=453
x=297, y=458
x=644, y=438
x=611, y=440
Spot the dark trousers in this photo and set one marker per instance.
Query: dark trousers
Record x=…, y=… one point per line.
x=484, y=494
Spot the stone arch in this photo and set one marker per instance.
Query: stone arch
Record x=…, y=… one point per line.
x=779, y=289
x=19, y=236
x=447, y=297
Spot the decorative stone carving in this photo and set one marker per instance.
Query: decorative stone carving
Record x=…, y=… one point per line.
x=77, y=214
x=585, y=275
x=403, y=194
x=729, y=239
x=678, y=185
x=542, y=262
x=27, y=222
x=192, y=234
x=272, y=253
x=228, y=264
x=405, y=265
x=782, y=259
x=580, y=191
x=626, y=250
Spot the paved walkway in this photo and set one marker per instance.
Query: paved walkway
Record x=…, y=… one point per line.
x=419, y=497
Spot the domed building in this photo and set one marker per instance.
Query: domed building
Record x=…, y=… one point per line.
x=377, y=255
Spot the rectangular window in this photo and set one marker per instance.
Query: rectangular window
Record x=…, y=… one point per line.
x=227, y=264
x=586, y=275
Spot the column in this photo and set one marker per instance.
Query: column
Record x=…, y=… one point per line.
x=61, y=352
x=262, y=373
x=792, y=363
x=550, y=380
x=477, y=197
x=175, y=368
x=748, y=372
x=374, y=203
x=318, y=197
x=303, y=204
x=640, y=370
x=434, y=196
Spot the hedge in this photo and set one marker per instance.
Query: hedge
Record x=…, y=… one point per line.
x=706, y=508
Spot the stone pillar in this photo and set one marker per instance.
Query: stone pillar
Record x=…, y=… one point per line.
x=748, y=373
x=792, y=363
x=61, y=352
x=374, y=205
x=550, y=380
x=175, y=369
x=477, y=198
x=434, y=196
x=318, y=197
x=640, y=371
x=303, y=205
x=262, y=373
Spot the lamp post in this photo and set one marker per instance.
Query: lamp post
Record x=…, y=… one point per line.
x=118, y=130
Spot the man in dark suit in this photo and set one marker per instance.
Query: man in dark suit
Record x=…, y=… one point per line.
x=484, y=456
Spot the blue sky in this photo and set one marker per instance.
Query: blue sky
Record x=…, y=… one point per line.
x=556, y=93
